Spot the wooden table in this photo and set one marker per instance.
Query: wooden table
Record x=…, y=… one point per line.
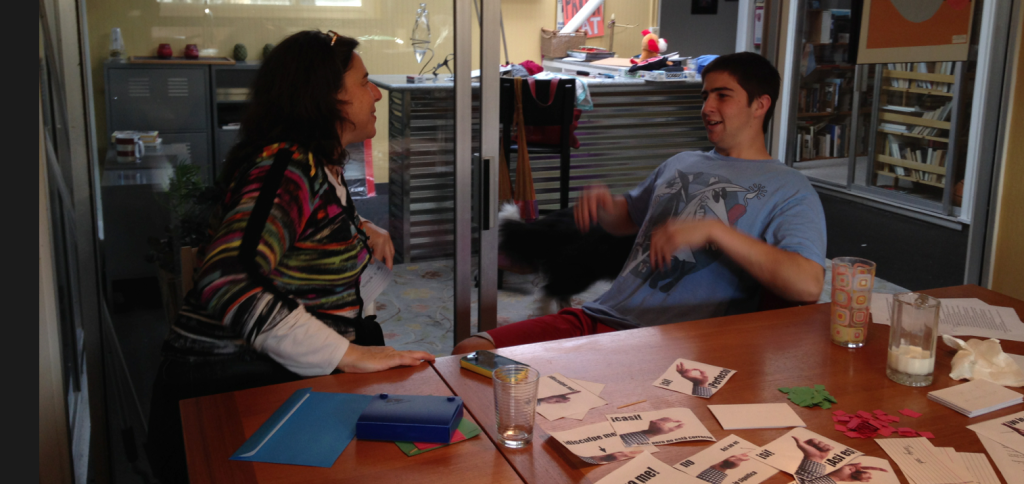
x=217, y=425
x=782, y=348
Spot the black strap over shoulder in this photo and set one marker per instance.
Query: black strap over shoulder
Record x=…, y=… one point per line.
x=368, y=332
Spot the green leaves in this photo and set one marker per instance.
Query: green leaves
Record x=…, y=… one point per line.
x=809, y=397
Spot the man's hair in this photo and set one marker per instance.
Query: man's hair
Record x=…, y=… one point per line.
x=754, y=74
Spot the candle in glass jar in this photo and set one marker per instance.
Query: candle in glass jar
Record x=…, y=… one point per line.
x=911, y=360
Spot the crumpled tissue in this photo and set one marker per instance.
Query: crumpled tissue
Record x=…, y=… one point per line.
x=984, y=360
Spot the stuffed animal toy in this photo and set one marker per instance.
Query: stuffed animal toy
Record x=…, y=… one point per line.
x=651, y=46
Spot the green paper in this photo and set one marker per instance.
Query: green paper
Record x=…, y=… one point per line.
x=809, y=397
x=467, y=427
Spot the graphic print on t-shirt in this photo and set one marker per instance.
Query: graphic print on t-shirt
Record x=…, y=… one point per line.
x=696, y=196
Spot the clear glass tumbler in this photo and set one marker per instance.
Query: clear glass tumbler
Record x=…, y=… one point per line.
x=912, y=337
x=852, y=282
x=515, y=403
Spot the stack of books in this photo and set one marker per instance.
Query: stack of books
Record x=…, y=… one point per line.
x=590, y=54
x=977, y=397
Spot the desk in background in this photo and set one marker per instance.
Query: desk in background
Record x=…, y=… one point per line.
x=634, y=127
x=782, y=348
x=216, y=426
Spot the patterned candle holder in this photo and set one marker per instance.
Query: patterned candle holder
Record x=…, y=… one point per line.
x=852, y=282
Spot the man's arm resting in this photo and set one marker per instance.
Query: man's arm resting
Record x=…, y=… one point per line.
x=789, y=275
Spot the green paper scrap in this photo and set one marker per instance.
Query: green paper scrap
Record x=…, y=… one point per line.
x=467, y=427
x=809, y=397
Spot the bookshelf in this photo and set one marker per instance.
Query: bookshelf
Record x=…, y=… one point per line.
x=913, y=128
x=824, y=93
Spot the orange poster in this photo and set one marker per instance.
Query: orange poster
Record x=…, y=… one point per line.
x=594, y=25
x=915, y=31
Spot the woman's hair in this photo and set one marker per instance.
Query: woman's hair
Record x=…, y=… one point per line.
x=295, y=99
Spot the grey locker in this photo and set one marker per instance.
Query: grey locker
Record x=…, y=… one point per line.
x=158, y=98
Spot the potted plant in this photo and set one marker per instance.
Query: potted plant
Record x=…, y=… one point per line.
x=190, y=204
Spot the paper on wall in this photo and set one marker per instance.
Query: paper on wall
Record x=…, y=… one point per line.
x=659, y=427
x=731, y=457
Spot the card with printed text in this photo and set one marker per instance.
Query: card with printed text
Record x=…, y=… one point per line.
x=598, y=444
x=694, y=378
x=647, y=469
x=558, y=396
x=659, y=427
x=729, y=461
x=812, y=454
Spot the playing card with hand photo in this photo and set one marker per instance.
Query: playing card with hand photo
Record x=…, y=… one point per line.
x=805, y=454
x=558, y=396
x=598, y=444
x=659, y=427
x=728, y=461
x=694, y=378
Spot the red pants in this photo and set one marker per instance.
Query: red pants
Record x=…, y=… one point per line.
x=567, y=323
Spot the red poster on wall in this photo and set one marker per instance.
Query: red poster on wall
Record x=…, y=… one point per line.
x=594, y=25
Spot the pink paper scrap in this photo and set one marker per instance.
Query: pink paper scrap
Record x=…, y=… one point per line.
x=839, y=412
x=864, y=414
x=854, y=435
x=841, y=428
x=885, y=432
x=910, y=413
x=879, y=412
x=456, y=437
x=905, y=432
x=854, y=422
x=927, y=435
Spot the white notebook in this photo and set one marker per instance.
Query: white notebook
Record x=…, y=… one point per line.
x=976, y=397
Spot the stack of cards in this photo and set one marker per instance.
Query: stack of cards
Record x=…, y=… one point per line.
x=558, y=396
x=976, y=397
x=924, y=463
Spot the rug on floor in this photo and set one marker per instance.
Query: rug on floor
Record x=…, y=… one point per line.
x=416, y=309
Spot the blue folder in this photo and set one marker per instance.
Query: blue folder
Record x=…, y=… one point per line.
x=309, y=429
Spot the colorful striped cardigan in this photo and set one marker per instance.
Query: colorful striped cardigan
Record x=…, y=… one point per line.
x=310, y=252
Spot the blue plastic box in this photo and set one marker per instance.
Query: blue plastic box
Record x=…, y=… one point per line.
x=410, y=418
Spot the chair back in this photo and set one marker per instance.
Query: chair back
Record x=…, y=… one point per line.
x=536, y=112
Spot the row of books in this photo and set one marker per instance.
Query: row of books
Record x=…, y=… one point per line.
x=823, y=97
x=821, y=141
x=923, y=68
x=928, y=155
x=939, y=114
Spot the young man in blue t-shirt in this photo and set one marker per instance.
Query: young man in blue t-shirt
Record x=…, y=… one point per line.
x=712, y=228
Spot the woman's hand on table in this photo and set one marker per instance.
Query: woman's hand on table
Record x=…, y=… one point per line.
x=379, y=242
x=368, y=359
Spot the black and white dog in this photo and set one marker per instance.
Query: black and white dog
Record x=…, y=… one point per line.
x=570, y=260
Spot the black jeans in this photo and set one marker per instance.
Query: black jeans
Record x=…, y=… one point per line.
x=180, y=379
